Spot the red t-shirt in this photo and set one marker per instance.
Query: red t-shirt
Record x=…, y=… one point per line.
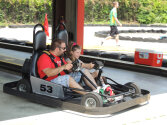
x=44, y=62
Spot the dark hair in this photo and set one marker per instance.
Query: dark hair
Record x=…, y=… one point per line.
x=56, y=43
x=72, y=47
x=75, y=47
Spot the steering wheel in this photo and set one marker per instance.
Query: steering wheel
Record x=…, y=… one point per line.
x=98, y=65
x=75, y=65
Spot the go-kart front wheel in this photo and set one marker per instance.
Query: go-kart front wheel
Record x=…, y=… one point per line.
x=23, y=86
x=135, y=87
x=92, y=100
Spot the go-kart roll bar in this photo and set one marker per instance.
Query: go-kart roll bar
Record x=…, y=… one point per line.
x=76, y=68
x=34, y=30
x=88, y=79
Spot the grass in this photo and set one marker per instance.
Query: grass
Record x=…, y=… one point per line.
x=7, y=24
x=3, y=24
x=97, y=22
x=107, y=22
x=86, y=22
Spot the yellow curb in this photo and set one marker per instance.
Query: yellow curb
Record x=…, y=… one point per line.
x=111, y=48
x=117, y=48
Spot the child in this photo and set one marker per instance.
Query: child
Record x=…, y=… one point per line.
x=74, y=52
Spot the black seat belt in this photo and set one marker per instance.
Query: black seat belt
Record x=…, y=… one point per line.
x=52, y=59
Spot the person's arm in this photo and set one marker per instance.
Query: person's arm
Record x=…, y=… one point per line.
x=87, y=65
x=54, y=71
x=117, y=21
x=69, y=61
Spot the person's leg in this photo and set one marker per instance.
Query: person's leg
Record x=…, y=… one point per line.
x=117, y=39
x=68, y=81
x=111, y=33
x=116, y=36
x=109, y=37
x=87, y=73
x=95, y=74
x=74, y=84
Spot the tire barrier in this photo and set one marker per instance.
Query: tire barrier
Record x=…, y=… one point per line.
x=103, y=34
x=2, y=26
x=114, y=55
x=128, y=25
x=14, y=41
x=164, y=63
x=21, y=26
x=92, y=52
x=110, y=55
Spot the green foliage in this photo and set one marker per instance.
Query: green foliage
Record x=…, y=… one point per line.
x=25, y=11
x=96, y=10
x=152, y=11
x=143, y=11
x=33, y=11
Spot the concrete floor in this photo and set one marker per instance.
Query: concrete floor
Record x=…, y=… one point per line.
x=12, y=107
x=93, y=42
x=15, y=110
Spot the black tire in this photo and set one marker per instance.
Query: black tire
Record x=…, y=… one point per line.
x=92, y=100
x=23, y=85
x=134, y=86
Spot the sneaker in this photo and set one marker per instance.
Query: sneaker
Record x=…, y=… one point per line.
x=102, y=43
x=109, y=91
x=97, y=90
x=118, y=44
x=105, y=86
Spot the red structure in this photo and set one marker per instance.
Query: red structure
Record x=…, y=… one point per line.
x=80, y=23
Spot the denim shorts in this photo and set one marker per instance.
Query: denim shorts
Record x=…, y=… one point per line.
x=76, y=76
x=64, y=80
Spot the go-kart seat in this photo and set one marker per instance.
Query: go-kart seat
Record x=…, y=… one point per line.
x=62, y=34
x=39, y=44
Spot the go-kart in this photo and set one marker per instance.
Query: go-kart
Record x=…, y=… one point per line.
x=112, y=98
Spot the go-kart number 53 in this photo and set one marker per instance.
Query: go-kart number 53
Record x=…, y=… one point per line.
x=46, y=88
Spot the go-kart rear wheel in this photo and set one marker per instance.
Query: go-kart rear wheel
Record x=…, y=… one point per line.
x=135, y=87
x=92, y=100
x=23, y=85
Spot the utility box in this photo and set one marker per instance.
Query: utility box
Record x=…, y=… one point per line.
x=148, y=57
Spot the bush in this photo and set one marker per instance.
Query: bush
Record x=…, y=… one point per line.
x=142, y=11
x=152, y=11
x=25, y=11
x=96, y=10
x=33, y=11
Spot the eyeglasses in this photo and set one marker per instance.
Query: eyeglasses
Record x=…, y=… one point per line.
x=63, y=48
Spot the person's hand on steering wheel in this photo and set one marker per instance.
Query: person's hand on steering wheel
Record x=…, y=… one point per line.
x=91, y=65
x=75, y=65
x=98, y=65
x=68, y=66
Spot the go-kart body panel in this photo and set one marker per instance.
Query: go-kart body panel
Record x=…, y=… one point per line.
x=43, y=87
